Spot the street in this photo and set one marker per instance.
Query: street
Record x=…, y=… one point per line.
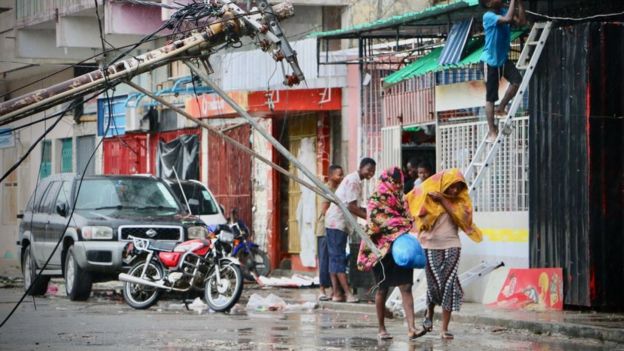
x=105, y=322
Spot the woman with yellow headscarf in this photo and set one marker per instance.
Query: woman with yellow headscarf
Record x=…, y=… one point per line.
x=441, y=206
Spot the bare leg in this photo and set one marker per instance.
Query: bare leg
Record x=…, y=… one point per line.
x=429, y=316
x=335, y=286
x=509, y=94
x=408, y=307
x=446, y=319
x=489, y=113
x=380, y=307
x=342, y=279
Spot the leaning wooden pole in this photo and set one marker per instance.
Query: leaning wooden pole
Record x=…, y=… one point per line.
x=282, y=150
x=227, y=138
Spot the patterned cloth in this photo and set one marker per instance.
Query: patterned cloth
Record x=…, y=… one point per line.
x=349, y=190
x=388, y=217
x=426, y=211
x=443, y=287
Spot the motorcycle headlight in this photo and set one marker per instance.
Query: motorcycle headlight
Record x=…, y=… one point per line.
x=226, y=237
x=97, y=233
x=197, y=232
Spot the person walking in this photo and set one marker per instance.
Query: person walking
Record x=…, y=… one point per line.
x=388, y=218
x=441, y=206
x=333, y=180
x=349, y=192
x=497, y=26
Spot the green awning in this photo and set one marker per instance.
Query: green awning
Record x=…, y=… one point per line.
x=429, y=62
x=431, y=14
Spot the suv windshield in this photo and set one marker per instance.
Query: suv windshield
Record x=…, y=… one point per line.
x=121, y=193
x=199, y=199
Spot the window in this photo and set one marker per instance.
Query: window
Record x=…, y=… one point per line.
x=64, y=194
x=49, y=198
x=46, y=159
x=36, y=196
x=118, y=123
x=125, y=193
x=66, y=155
x=199, y=199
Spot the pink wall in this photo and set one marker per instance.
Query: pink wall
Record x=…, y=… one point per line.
x=125, y=18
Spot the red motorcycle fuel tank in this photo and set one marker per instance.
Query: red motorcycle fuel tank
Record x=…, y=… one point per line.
x=198, y=247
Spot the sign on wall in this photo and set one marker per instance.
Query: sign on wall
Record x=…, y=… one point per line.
x=6, y=138
x=532, y=289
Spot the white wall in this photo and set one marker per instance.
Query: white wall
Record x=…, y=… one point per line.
x=505, y=238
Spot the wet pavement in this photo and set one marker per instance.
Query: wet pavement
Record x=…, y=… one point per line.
x=105, y=322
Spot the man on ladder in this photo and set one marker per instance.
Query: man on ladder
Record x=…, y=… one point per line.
x=497, y=26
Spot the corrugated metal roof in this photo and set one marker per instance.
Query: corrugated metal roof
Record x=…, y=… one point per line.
x=429, y=62
x=429, y=12
x=456, y=42
x=255, y=70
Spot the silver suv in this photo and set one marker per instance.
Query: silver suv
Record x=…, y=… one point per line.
x=107, y=211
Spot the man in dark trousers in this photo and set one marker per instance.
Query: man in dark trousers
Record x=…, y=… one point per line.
x=497, y=26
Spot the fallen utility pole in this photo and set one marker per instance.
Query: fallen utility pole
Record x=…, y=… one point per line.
x=234, y=22
x=282, y=150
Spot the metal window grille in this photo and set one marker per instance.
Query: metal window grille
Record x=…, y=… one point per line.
x=505, y=186
x=372, y=120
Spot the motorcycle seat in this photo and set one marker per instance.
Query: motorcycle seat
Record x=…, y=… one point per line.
x=166, y=246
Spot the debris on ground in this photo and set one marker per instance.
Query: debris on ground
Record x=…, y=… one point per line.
x=296, y=281
x=273, y=302
x=52, y=289
x=11, y=282
x=198, y=306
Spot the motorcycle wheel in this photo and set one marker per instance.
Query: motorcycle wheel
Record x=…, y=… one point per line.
x=221, y=297
x=142, y=296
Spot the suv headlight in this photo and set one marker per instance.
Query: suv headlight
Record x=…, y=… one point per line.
x=97, y=233
x=197, y=232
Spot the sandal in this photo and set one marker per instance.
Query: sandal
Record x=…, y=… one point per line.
x=427, y=325
x=384, y=336
x=338, y=299
x=416, y=335
x=324, y=297
x=353, y=299
x=447, y=336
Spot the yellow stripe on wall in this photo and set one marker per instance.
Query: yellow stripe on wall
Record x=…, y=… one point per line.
x=506, y=235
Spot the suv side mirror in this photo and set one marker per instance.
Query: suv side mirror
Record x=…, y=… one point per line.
x=61, y=209
x=20, y=215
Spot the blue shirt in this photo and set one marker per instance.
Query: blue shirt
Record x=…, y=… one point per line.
x=497, y=38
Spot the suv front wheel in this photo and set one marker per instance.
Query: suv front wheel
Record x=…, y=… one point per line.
x=77, y=281
x=29, y=270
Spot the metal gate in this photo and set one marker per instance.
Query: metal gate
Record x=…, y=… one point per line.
x=505, y=186
x=229, y=172
x=391, y=147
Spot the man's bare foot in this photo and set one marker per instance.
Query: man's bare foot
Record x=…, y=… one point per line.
x=492, y=136
x=500, y=112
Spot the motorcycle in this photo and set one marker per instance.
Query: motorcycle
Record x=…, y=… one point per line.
x=254, y=261
x=192, y=265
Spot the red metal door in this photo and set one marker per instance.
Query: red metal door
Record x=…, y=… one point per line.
x=229, y=172
x=125, y=154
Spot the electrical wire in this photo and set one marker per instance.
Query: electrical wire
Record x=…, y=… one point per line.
x=149, y=3
x=38, y=276
x=580, y=19
x=79, y=186
x=147, y=39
